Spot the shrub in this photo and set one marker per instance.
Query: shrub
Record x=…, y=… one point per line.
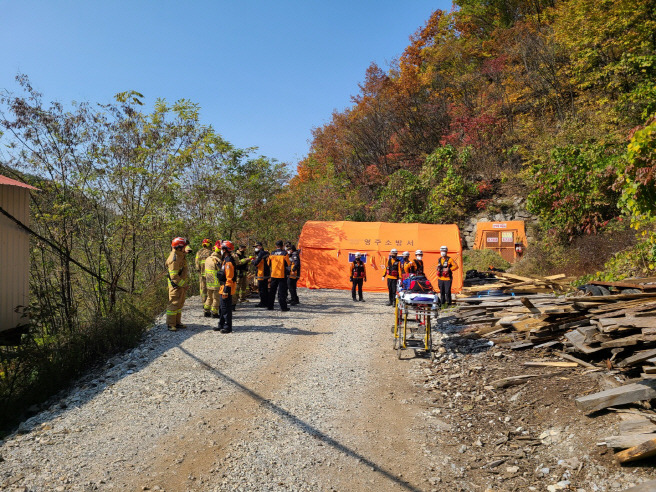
x=482, y=259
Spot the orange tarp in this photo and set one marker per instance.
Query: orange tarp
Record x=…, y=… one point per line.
x=325, y=248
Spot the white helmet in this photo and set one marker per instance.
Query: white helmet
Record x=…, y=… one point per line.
x=394, y=250
x=419, y=252
x=406, y=253
x=358, y=255
x=444, y=248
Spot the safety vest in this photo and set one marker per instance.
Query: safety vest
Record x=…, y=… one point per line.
x=415, y=267
x=358, y=269
x=393, y=267
x=444, y=268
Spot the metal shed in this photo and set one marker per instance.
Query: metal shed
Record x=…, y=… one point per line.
x=502, y=237
x=15, y=257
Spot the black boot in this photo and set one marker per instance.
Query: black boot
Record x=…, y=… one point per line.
x=207, y=314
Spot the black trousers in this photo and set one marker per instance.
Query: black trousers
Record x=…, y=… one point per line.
x=445, y=291
x=291, y=285
x=225, y=313
x=391, y=288
x=278, y=285
x=263, y=288
x=357, y=284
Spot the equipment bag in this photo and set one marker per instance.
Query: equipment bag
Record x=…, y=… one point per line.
x=419, y=283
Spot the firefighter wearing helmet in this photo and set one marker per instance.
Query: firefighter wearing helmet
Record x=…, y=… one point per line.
x=201, y=256
x=178, y=276
x=226, y=277
x=393, y=274
x=416, y=266
x=445, y=268
x=358, y=276
x=212, y=267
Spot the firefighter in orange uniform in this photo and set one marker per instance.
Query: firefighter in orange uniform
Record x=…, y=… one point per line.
x=201, y=256
x=178, y=274
x=226, y=276
x=279, y=263
x=416, y=266
x=445, y=268
x=212, y=267
x=294, y=273
x=358, y=276
x=393, y=274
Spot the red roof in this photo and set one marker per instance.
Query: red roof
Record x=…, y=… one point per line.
x=4, y=180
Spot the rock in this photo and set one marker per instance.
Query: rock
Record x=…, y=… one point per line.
x=512, y=469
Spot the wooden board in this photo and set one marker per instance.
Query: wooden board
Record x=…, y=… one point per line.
x=645, y=450
x=578, y=340
x=627, y=440
x=626, y=285
x=637, y=425
x=574, y=359
x=629, y=393
x=637, y=358
x=550, y=364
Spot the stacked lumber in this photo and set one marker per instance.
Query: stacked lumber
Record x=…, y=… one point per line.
x=508, y=282
x=615, y=332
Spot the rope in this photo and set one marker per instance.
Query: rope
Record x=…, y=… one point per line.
x=57, y=249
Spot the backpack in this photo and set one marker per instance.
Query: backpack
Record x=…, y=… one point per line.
x=419, y=283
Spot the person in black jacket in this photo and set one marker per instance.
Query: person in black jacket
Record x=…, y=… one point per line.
x=261, y=262
x=358, y=276
x=294, y=273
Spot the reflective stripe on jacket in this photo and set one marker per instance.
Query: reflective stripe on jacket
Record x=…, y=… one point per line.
x=212, y=265
x=278, y=259
x=176, y=266
x=201, y=256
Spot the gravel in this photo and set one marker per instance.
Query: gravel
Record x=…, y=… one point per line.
x=304, y=400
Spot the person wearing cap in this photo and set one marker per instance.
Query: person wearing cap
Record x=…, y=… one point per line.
x=263, y=275
x=279, y=263
x=241, y=262
x=393, y=274
x=358, y=276
x=294, y=273
x=177, y=277
x=445, y=268
x=201, y=256
x=416, y=266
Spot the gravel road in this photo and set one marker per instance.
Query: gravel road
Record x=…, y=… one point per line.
x=312, y=399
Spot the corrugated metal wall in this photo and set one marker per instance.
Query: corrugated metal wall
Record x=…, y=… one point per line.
x=14, y=256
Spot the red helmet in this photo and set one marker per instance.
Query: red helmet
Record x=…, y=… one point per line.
x=206, y=242
x=228, y=245
x=217, y=246
x=179, y=242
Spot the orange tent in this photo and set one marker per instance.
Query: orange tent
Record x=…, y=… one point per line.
x=326, y=247
x=501, y=237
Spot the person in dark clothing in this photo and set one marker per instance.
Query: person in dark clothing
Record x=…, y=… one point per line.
x=294, y=273
x=358, y=276
x=393, y=274
x=279, y=263
x=227, y=276
x=263, y=274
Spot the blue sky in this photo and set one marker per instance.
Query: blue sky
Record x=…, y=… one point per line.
x=264, y=72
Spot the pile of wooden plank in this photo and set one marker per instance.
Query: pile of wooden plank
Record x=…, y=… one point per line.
x=615, y=333
x=508, y=282
x=618, y=328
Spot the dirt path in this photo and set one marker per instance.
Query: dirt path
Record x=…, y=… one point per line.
x=313, y=399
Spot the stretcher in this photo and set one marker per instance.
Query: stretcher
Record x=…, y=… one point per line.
x=412, y=321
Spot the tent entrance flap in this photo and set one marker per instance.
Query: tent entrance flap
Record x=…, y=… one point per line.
x=326, y=247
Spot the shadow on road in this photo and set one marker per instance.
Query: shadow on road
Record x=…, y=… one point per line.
x=301, y=424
